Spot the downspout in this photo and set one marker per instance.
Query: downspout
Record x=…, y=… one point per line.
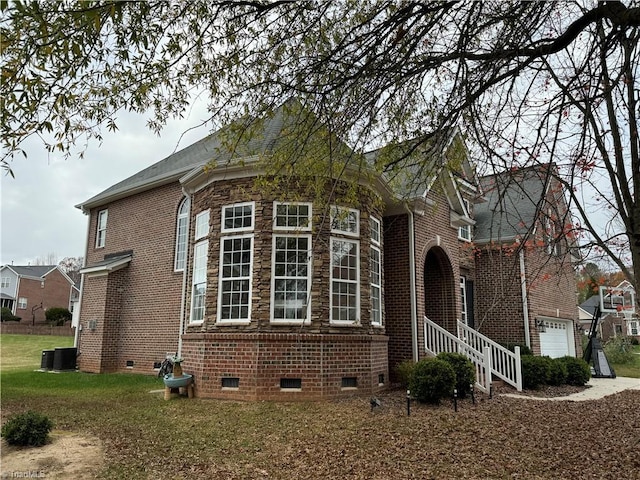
x=525, y=304
x=76, y=338
x=76, y=335
x=412, y=287
x=183, y=300
x=17, y=295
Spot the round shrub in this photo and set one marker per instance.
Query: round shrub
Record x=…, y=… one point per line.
x=404, y=371
x=524, y=350
x=57, y=316
x=578, y=371
x=464, y=369
x=7, y=316
x=432, y=380
x=535, y=371
x=619, y=350
x=27, y=429
x=557, y=372
x=635, y=341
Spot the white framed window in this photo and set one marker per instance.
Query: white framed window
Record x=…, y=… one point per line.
x=465, y=231
x=375, y=272
x=22, y=303
x=345, y=281
x=463, y=301
x=202, y=225
x=292, y=216
x=236, y=264
x=101, y=229
x=375, y=230
x=182, y=229
x=238, y=217
x=633, y=328
x=375, y=275
x=345, y=221
x=199, y=281
x=550, y=233
x=5, y=283
x=291, y=278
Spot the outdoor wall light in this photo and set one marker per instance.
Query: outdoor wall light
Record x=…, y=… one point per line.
x=540, y=325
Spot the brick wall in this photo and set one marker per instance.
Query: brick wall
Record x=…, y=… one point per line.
x=439, y=253
x=260, y=360
x=397, y=296
x=551, y=291
x=498, y=298
x=139, y=304
x=15, y=328
x=437, y=266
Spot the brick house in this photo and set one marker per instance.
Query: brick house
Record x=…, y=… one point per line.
x=30, y=290
x=611, y=324
x=526, y=287
x=276, y=293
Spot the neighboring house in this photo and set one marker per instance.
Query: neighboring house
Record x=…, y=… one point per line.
x=277, y=295
x=525, y=282
x=611, y=325
x=30, y=290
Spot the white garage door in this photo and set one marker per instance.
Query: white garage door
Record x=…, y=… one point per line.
x=554, y=341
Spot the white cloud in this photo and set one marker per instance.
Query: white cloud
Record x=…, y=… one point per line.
x=38, y=214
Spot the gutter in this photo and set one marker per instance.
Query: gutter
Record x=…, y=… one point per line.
x=525, y=304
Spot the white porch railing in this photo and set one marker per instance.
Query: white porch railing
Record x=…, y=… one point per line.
x=505, y=364
x=438, y=340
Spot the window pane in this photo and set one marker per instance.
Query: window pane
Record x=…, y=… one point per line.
x=344, y=280
x=235, y=282
x=237, y=217
x=291, y=281
x=199, y=281
x=202, y=225
x=292, y=216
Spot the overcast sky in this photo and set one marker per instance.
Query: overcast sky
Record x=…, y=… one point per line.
x=38, y=214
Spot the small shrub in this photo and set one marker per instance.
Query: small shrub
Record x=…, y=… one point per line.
x=27, y=429
x=404, y=372
x=432, y=380
x=464, y=370
x=7, y=316
x=535, y=371
x=618, y=350
x=557, y=372
x=635, y=341
x=578, y=371
x=524, y=350
x=57, y=316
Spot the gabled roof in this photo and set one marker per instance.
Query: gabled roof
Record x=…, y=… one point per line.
x=514, y=199
x=418, y=164
x=34, y=271
x=241, y=139
x=37, y=271
x=590, y=304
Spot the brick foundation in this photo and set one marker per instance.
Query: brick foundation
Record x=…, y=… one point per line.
x=260, y=360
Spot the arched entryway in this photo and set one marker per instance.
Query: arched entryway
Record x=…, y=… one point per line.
x=439, y=289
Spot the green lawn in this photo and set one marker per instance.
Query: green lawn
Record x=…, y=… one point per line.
x=24, y=352
x=629, y=369
x=146, y=437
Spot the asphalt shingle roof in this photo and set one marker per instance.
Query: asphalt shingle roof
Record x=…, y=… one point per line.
x=512, y=202
x=235, y=141
x=32, y=270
